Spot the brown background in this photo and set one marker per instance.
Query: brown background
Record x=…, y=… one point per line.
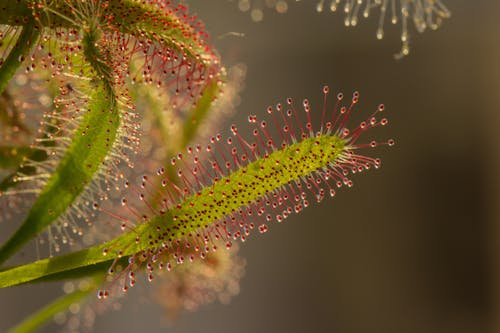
x=412, y=247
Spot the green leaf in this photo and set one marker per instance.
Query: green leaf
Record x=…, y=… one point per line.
x=84, y=261
x=90, y=146
x=249, y=183
x=47, y=313
x=27, y=39
x=190, y=126
x=80, y=163
x=126, y=16
x=199, y=112
x=91, y=143
x=36, y=155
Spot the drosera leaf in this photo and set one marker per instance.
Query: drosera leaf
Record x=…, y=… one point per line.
x=92, y=142
x=218, y=102
x=34, y=155
x=27, y=39
x=47, y=313
x=10, y=181
x=79, y=165
x=162, y=21
x=69, y=263
x=85, y=262
x=169, y=43
x=199, y=112
x=195, y=119
x=168, y=123
x=159, y=22
x=237, y=187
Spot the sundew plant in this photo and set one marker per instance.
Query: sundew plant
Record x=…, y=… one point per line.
x=112, y=164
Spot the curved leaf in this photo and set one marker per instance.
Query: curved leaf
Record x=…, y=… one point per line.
x=48, y=312
x=91, y=143
x=27, y=39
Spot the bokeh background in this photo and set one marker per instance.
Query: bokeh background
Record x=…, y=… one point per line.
x=413, y=246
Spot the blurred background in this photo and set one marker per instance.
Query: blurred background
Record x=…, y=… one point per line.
x=413, y=246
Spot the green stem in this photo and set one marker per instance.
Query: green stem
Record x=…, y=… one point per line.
x=84, y=262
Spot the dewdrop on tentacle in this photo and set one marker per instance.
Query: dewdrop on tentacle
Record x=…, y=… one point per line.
x=423, y=13
x=233, y=186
